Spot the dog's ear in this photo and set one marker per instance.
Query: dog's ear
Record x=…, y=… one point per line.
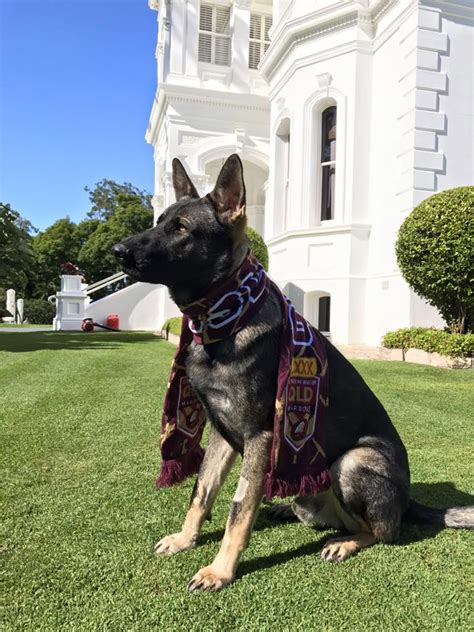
x=183, y=187
x=228, y=195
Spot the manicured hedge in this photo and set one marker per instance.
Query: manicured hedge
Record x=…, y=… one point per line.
x=430, y=340
x=174, y=325
x=39, y=312
x=257, y=246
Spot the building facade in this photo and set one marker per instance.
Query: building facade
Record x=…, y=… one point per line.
x=346, y=115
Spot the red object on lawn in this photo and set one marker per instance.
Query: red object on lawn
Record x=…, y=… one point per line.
x=113, y=321
x=87, y=324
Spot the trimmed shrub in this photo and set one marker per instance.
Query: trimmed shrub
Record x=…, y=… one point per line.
x=174, y=325
x=434, y=252
x=430, y=340
x=257, y=246
x=39, y=312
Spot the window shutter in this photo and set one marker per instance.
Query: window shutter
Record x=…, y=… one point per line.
x=268, y=24
x=259, y=40
x=222, y=51
x=205, y=47
x=255, y=24
x=222, y=20
x=205, y=18
x=254, y=54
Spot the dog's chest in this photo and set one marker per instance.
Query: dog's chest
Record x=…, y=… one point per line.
x=233, y=386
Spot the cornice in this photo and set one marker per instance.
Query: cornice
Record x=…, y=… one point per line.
x=168, y=94
x=288, y=34
x=154, y=5
x=319, y=231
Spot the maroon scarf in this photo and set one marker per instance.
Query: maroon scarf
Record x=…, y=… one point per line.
x=298, y=462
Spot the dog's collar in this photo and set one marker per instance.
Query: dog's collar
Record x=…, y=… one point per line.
x=229, y=305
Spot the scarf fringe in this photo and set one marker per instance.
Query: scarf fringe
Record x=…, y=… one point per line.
x=306, y=485
x=174, y=471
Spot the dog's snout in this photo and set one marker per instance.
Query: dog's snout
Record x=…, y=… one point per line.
x=122, y=253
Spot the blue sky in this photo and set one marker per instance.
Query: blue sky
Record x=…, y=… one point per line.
x=77, y=80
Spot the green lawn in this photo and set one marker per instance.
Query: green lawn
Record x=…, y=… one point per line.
x=79, y=450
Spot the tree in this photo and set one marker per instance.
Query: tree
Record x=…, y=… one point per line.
x=435, y=254
x=16, y=255
x=108, y=196
x=95, y=256
x=54, y=247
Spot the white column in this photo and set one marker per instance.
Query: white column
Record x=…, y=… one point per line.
x=178, y=37
x=192, y=38
x=240, y=44
x=20, y=308
x=11, y=306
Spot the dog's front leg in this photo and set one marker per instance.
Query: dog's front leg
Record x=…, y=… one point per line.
x=243, y=511
x=217, y=462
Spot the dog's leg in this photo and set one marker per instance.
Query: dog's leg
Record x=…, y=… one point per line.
x=217, y=462
x=372, y=493
x=241, y=518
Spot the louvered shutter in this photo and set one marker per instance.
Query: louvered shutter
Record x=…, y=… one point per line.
x=254, y=54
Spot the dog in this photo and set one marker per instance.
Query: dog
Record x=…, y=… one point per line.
x=196, y=243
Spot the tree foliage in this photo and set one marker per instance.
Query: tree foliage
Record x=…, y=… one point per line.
x=54, y=247
x=95, y=256
x=16, y=256
x=435, y=254
x=108, y=196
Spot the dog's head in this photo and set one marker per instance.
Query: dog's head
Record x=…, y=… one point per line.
x=196, y=241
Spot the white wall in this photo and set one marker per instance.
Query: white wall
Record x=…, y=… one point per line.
x=140, y=306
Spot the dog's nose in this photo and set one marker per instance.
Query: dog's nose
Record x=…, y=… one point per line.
x=123, y=254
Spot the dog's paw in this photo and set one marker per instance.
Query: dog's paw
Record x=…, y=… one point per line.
x=208, y=579
x=281, y=511
x=338, y=550
x=174, y=543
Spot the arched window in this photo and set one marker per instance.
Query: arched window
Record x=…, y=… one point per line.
x=324, y=314
x=328, y=162
x=317, y=309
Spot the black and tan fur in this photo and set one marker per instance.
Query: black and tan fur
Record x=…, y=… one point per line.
x=197, y=242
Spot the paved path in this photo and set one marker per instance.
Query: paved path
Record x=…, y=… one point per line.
x=22, y=330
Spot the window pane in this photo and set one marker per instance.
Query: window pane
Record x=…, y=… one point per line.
x=327, y=192
x=222, y=46
x=205, y=45
x=254, y=54
x=324, y=323
x=222, y=19
x=328, y=136
x=205, y=18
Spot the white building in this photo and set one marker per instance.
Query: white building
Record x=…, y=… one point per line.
x=358, y=111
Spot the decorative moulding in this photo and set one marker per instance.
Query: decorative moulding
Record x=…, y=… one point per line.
x=324, y=80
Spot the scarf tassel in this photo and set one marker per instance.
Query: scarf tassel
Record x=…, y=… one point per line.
x=306, y=485
x=174, y=471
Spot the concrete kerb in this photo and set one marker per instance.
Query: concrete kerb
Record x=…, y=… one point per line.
x=362, y=352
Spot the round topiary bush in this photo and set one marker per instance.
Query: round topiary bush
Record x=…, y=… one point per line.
x=257, y=246
x=434, y=252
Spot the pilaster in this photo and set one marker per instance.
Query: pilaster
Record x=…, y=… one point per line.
x=239, y=53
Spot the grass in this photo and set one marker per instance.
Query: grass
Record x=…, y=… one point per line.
x=79, y=449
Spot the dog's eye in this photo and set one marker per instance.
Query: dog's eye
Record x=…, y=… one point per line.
x=181, y=227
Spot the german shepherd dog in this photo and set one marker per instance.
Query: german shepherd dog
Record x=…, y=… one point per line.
x=197, y=242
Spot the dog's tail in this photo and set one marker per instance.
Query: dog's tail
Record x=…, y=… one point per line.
x=453, y=517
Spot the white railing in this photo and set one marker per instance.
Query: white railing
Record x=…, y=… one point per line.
x=99, y=285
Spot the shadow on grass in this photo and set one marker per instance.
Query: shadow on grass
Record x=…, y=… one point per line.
x=438, y=495
x=39, y=341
